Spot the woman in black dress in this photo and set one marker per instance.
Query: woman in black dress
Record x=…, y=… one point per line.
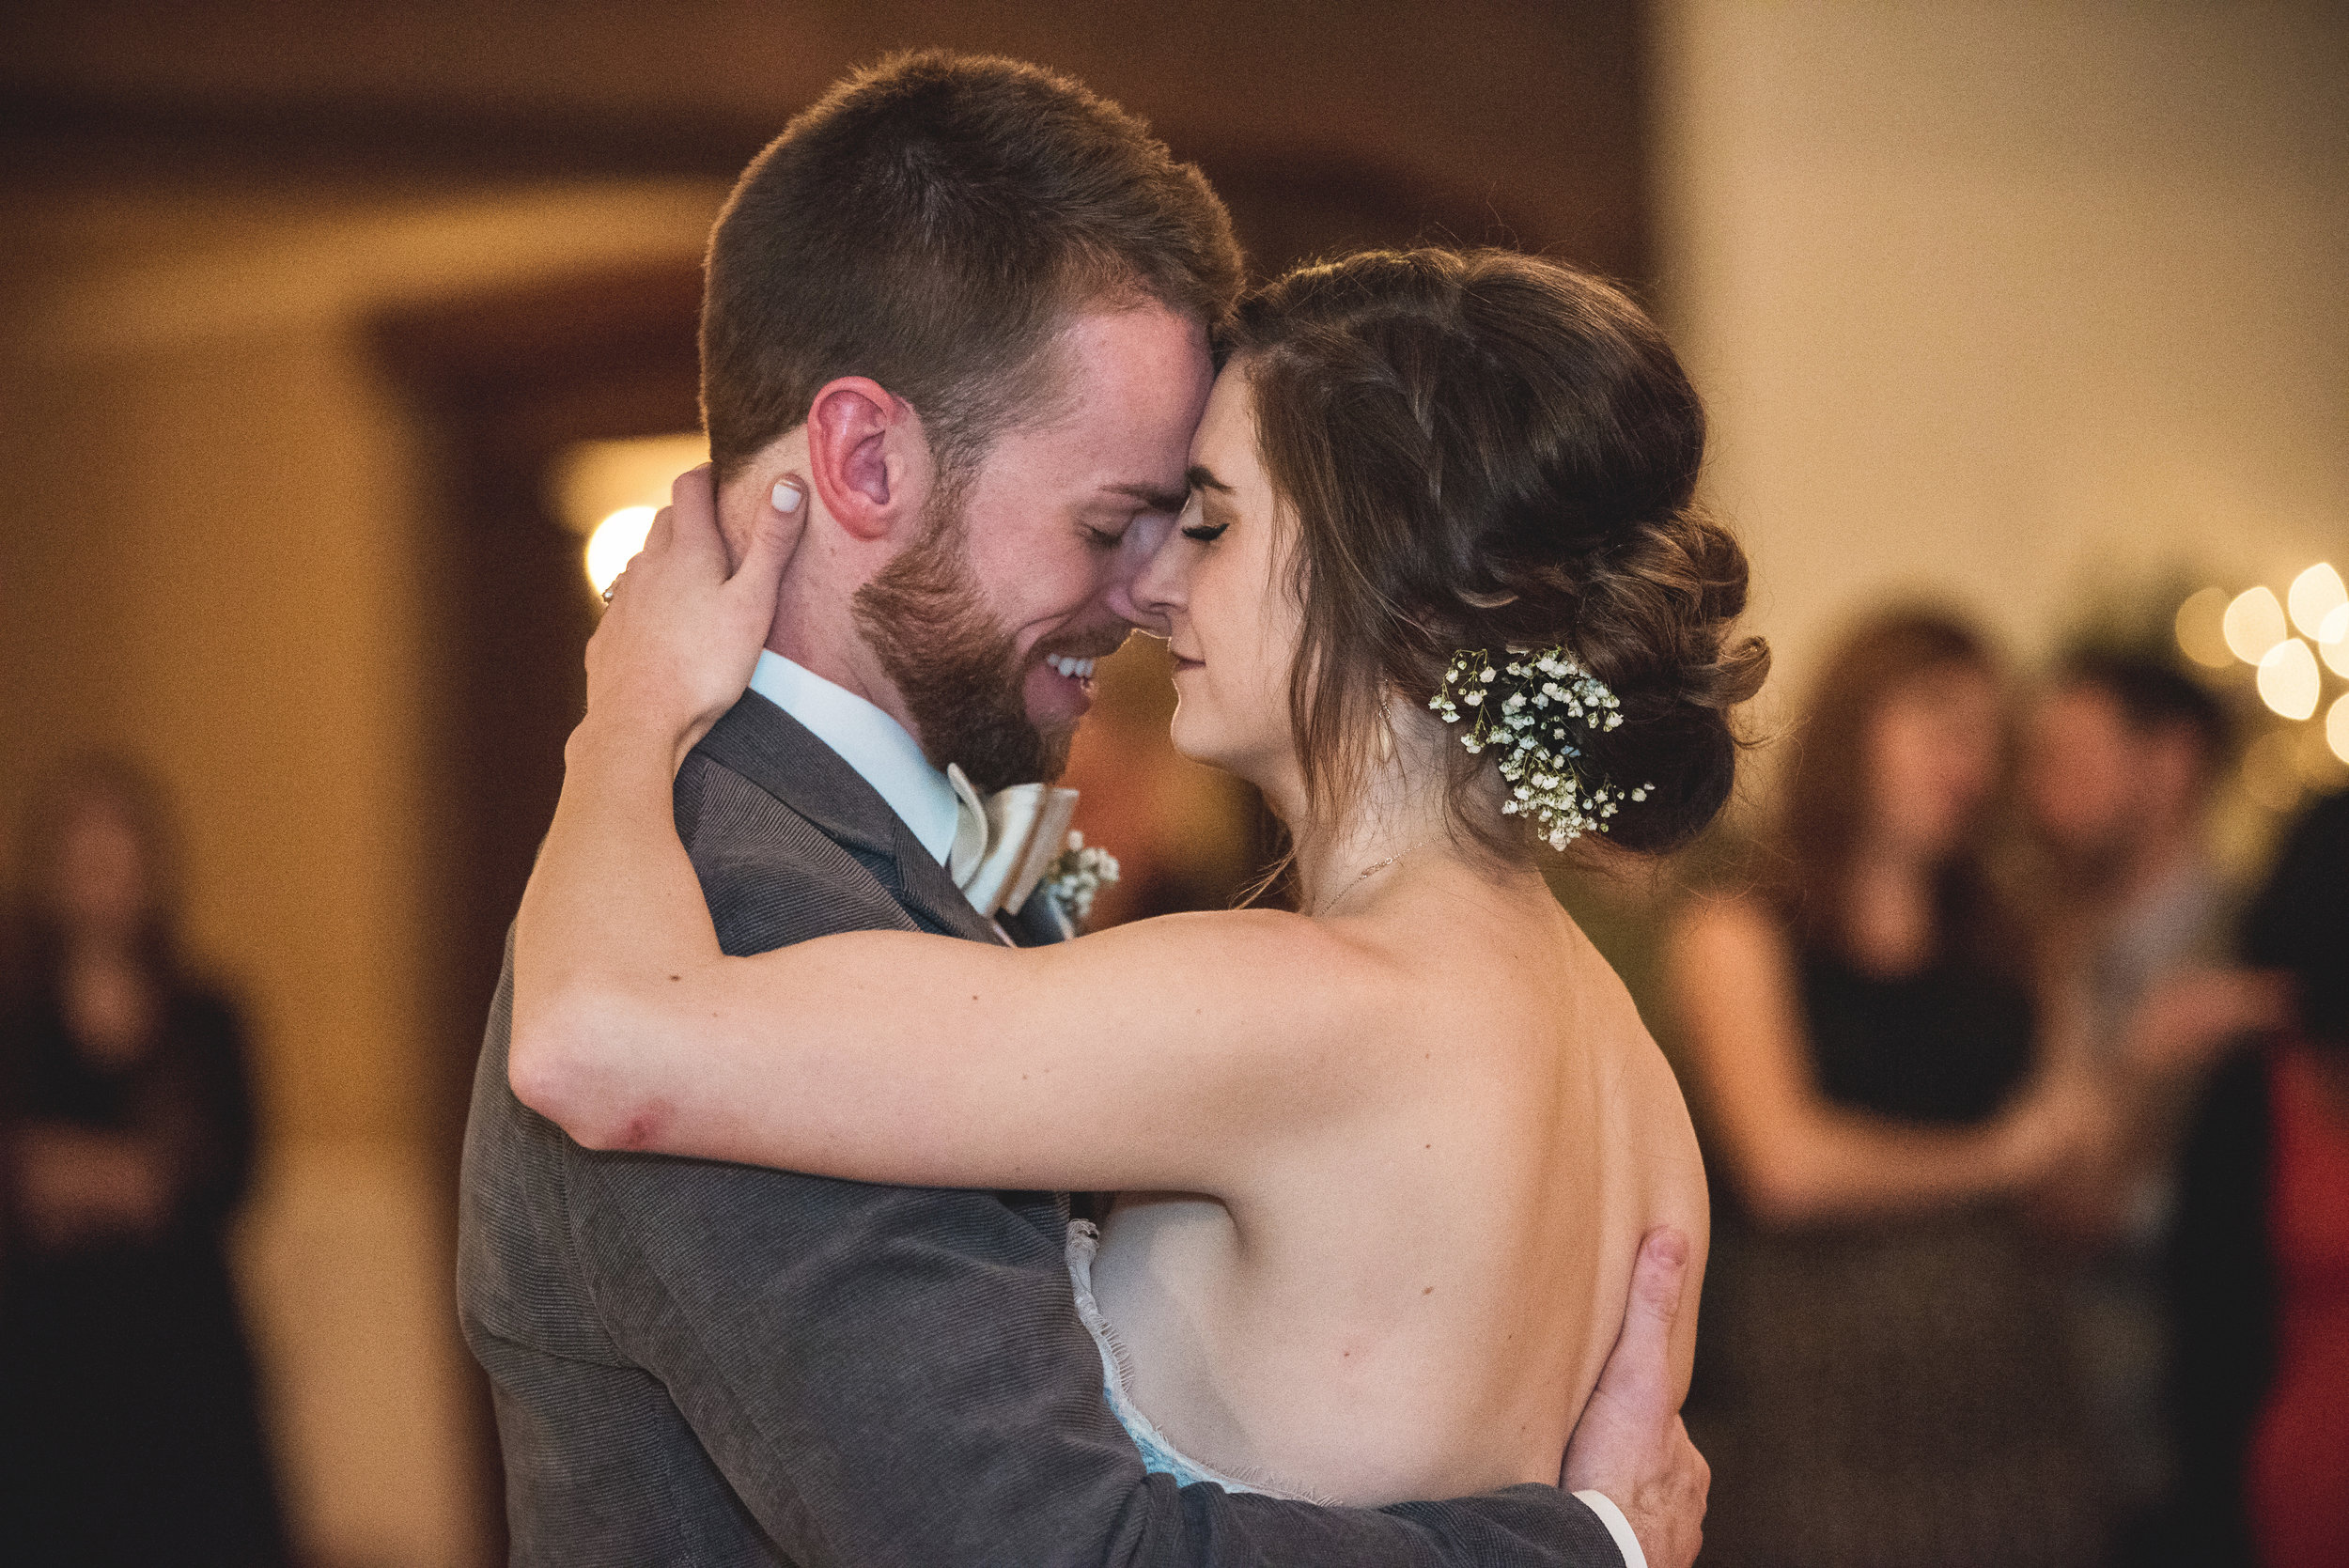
x=1882, y=1379
x=128, y=1427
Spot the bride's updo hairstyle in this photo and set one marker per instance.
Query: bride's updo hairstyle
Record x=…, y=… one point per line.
x=1488, y=450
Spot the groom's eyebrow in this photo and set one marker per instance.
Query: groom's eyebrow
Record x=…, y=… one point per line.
x=1152, y=496
x=1201, y=478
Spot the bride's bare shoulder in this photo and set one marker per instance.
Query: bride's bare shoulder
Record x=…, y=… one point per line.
x=1247, y=937
x=1244, y=966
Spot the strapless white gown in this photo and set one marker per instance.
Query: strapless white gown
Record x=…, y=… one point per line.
x=1158, y=1453
x=1163, y=1457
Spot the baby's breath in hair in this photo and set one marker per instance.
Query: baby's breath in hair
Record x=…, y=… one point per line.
x=1525, y=709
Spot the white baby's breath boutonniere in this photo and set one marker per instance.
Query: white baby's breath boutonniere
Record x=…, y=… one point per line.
x=1077, y=874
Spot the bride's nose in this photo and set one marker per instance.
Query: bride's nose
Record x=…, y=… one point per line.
x=1149, y=588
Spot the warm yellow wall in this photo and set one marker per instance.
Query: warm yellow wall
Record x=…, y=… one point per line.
x=2010, y=301
x=212, y=503
x=223, y=592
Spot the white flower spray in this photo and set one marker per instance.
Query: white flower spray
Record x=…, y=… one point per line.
x=1077, y=874
x=1525, y=711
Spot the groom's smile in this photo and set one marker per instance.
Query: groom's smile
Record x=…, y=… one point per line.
x=1058, y=686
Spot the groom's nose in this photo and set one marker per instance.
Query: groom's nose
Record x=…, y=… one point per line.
x=1133, y=597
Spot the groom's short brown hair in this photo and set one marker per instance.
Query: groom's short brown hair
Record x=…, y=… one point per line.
x=932, y=223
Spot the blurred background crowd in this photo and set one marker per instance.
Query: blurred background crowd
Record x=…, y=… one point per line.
x=341, y=347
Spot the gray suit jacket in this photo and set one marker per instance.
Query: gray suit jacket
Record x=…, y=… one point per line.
x=715, y=1364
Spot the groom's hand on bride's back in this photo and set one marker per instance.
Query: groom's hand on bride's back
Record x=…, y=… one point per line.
x=1629, y=1443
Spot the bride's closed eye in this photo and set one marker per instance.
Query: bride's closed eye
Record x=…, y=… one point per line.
x=1207, y=493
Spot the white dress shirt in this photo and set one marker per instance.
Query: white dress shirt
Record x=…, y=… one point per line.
x=882, y=751
x=1618, y=1527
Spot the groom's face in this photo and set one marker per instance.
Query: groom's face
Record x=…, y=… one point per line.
x=991, y=625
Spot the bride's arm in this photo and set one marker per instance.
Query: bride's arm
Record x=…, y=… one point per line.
x=1166, y=1055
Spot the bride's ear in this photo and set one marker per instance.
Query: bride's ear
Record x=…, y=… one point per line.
x=868, y=458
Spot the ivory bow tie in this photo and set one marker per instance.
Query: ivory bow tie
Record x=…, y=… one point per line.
x=1004, y=841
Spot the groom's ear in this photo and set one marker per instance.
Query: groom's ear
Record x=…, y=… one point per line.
x=869, y=458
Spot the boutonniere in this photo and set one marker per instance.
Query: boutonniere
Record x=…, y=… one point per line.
x=1077, y=874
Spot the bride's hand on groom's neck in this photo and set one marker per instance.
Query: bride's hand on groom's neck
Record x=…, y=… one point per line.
x=686, y=621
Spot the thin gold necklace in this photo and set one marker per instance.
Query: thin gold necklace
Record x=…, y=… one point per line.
x=1366, y=875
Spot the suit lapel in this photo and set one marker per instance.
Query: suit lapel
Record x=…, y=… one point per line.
x=782, y=756
x=929, y=891
x=1040, y=921
x=779, y=754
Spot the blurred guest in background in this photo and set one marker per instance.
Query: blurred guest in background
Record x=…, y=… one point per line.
x=1879, y=1384
x=128, y=1423
x=2260, y=1251
x=2132, y=923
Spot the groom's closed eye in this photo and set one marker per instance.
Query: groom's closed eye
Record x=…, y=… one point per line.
x=1108, y=532
x=1143, y=496
x=1134, y=500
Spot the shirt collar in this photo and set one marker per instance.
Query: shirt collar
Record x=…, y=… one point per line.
x=882, y=751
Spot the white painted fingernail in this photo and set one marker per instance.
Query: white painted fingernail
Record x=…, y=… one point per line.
x=788, y=495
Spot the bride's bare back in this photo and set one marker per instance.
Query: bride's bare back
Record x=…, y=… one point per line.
x=1421, y=1308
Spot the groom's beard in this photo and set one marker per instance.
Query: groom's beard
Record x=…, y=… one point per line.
x=957, y=671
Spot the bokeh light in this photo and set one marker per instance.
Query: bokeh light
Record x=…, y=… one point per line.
x=2202, y=629
x=614, y=544
x=2254, y=623
x=2337, y=728
x=2333, y=644
x=2314, y=596
x=2288, y=679
x=589, y=480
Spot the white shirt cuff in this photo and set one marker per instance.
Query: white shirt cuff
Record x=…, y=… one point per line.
x=1618, y=1527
